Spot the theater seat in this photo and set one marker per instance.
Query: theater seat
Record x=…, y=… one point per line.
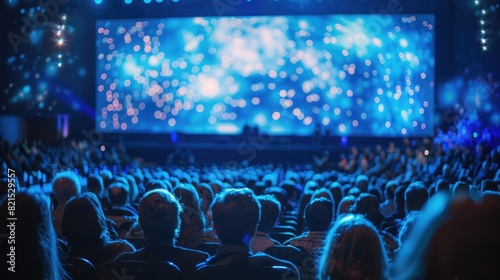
x=221, y=272
x=145, y=270
x=305, y=263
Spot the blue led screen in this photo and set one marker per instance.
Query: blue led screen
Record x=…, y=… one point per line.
x=362, y=75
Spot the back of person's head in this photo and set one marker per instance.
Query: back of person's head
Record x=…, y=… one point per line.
x=107, y=177
x=399, y=199
x=369, y=206
x=375, y=190
x=390, y=189
x=345, y=205
x=311, y=185
x=206, y=195
x=489, y=185
x=280, y=194
x=319, y=214
x=362, y=183
x=322, y=192
x=159, y=216
x=442, y=185
x=64, y=186
x=461, y=188
x=416, y=196
x=235, y=214
x=95, y=184
x=353, y=250
x=36, y=252
x=336, y=190
x=192, y=217
x=83, y=222
x=118, y=193
x=133, y=193
x=354, y=191
x=270, y=212
x=291, y=189
x=453, y=239
x=158, y=184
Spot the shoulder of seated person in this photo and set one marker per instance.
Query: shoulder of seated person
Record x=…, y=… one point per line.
x=127, y=256
x=192, y=251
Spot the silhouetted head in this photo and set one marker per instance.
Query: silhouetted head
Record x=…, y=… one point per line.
x=319, y=214
x=236, y=214
x=36, y=252
x=270, y=212
x=83, y=223
x=159, y=216
x=353, y=250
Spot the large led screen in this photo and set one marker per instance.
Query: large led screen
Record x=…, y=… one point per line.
x=357, y=74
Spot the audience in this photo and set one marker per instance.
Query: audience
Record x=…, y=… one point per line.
x=402, y=178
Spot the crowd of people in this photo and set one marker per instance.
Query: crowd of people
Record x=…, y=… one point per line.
x=415, y=211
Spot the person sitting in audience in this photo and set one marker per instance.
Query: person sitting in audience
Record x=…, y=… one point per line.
x=95, y=185
x=280, y=194
x=353, y=250
x=388, y=207
x=442, y=185
x=64, y=186
x=461, y=188
x=159, y=218
x=133, y=193
x=489, y=185
x=118, y=194
x=84, y=227
x=207, y=197
x=362, y=183
x=318, y=216
x=416, y=196
x=454, y=238
x=345, y=205
x=368, y=206
x=270, y=211
x=36, y=250
x=193, y=231
x=236, y=214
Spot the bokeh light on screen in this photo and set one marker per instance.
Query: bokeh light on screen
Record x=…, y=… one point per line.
x=358, y=74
